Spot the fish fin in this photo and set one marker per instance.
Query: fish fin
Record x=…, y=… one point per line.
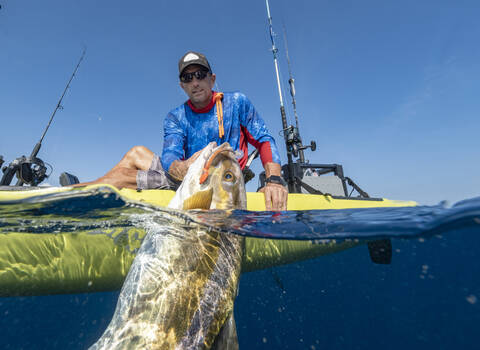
x=200, y=200
x=380, y=251
x=227, y=338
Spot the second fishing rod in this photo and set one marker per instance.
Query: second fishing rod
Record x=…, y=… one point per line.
x=291, y=133
x=32, y=170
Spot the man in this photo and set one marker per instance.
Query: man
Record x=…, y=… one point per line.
x=207, y=116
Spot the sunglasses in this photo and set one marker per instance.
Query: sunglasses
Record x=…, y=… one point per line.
x=199, y=74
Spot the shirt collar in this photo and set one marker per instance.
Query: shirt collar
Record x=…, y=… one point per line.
x=204, y=109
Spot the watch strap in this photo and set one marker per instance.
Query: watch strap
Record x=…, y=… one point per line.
x=275, y=179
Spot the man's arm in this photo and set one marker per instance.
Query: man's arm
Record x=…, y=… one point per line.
x=257, y=134
x=173, y=152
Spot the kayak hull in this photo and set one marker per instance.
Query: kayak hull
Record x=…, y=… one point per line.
x=98, y=259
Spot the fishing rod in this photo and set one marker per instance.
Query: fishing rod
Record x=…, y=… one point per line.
x=290, y=181
x=291, y=134
x=291, y=82
x=294, y=172
x=277, y=73
x=32, y=170
x=380, y=250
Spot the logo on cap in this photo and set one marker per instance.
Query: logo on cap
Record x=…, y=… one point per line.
x=190, y=57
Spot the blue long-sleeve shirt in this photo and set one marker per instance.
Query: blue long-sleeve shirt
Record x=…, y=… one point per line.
x=188, y=130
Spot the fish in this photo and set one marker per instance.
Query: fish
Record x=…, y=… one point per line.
x=179, y=292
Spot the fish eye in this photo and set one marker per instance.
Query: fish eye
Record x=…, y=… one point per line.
x=228, y=176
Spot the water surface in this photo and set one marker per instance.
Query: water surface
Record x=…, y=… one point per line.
x=427, y=298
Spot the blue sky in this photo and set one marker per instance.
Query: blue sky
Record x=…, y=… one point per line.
x=389, y=89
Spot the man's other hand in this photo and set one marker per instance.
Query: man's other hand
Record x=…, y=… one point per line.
x=276, y=196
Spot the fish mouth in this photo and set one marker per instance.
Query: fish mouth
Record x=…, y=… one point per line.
x=223, y=149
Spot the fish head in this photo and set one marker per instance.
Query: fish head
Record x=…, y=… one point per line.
x=213, y=181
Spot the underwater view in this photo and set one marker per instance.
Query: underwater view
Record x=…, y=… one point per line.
x=134, y=217
x=427, y=298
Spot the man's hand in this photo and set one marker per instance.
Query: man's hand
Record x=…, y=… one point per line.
x=276, y=196
x=179, y=168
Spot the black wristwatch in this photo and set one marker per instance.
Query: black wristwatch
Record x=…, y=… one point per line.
x=275, y=179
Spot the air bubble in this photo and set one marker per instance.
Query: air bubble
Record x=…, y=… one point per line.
x=472, y=299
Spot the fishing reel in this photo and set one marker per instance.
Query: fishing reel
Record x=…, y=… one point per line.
x=294, y=141
x=29, y=170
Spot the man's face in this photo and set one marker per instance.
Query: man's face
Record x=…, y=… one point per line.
x=199, y=91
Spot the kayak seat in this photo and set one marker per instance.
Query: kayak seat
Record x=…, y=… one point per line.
x=330, y=184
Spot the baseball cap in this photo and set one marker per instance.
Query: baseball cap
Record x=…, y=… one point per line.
x=192, y=57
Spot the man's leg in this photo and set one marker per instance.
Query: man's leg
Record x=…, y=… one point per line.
x=124, y=174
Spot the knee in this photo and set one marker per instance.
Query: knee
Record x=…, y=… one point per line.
x=138, y=157
x=138, y=153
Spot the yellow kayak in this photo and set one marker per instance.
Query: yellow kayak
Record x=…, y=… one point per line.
x=86, y=259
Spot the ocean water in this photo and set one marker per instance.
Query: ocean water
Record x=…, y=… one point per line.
x=427, y=298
